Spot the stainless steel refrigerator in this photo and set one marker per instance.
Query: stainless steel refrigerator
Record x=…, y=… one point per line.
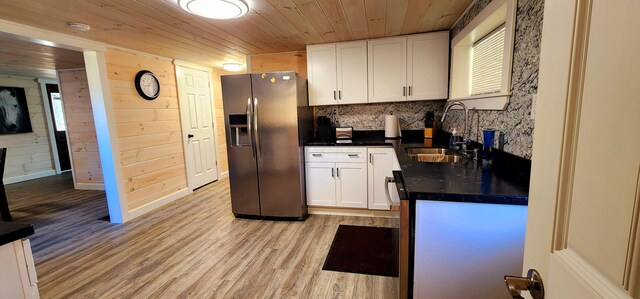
x=267, y=121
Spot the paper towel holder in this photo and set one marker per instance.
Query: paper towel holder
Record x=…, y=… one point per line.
x=392, y=127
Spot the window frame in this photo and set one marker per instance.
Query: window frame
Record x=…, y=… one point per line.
x=497, y=13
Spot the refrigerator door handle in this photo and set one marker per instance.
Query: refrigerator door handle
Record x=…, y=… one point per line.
x=249, y=129
x=255, y=126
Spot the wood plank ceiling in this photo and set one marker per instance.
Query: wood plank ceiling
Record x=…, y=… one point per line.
x=23, y=58
x=160, y=27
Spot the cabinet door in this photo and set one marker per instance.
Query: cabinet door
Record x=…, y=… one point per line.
x=387, y=69
x=351, y=179
x=321, y=184
x=382, y=163
x=321, y=70
x=428, y=66
x=352, y=72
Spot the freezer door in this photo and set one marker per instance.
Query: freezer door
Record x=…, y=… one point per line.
x=243, y=172
x=279, y=152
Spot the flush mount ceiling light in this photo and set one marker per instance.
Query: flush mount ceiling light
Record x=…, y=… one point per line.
x=215, y=9
x=79, y=26
x=232, y=66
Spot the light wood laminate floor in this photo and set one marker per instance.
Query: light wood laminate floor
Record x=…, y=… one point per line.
x=192, y=248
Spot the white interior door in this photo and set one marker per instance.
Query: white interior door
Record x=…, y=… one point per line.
x=196, y=112
x=582, y=231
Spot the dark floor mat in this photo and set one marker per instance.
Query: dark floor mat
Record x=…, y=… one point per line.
x=364, y=250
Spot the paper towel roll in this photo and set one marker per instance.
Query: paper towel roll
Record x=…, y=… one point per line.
x=391, y=126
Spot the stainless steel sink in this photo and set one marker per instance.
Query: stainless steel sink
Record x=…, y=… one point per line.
x=433, y=155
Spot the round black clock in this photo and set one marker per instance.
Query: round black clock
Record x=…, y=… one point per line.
x=147, y=85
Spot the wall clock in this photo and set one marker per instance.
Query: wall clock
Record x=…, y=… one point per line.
x=147, y=85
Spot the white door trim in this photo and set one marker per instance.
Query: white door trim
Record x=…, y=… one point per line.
x=50, y=125
x=184, y=123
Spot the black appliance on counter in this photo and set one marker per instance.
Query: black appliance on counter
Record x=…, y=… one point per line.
x=325, y=129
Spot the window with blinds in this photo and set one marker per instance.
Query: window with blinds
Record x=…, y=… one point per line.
x=486, y=66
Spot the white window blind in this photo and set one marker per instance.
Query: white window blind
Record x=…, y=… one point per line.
x=486, y=66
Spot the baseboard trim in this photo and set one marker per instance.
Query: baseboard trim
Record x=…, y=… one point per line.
x=90, y=186
x=223, y=175
x=352, y=212
x=28, y=177
x=158, y=203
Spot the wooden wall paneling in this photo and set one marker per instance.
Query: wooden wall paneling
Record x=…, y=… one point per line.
x=221, y=139
x=356, y=14
x=290, y=61
x=81, y=131
x=335, y=15
x=149, y=132
x=28, y=153
x=376, y=12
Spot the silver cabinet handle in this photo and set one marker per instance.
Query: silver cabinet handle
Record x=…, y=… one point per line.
x=249, y=129
x=332, y=174
x=354, y=155
x=339, y=94
x=334, y=95
x=409, y=90
x=531, y=283
x=338, y=172
x=388, y=180
x=317, y=155
x=404, y=91
x=371, y=158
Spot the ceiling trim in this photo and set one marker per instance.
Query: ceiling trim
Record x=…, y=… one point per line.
x=48, y=38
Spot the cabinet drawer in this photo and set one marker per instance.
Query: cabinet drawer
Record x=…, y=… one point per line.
x=336, y=154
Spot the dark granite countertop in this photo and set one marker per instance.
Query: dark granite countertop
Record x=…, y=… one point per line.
x=10, y=232
x=466, y=181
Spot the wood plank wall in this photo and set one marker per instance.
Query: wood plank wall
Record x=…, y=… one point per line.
x=149, y=132
x=28, y=153
x=221, y=139
x=81, y=129
x=288, y=61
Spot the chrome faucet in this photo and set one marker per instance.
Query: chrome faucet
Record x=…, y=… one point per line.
x=466, y=141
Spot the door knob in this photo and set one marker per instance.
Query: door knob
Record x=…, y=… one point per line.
x=531, y=283
x=190, y=136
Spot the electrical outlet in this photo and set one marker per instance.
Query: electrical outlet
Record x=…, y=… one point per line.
x=534, y=99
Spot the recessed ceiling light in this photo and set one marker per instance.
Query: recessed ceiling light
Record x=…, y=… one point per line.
x=232, y=66
x=79, y=26
x=216, y=9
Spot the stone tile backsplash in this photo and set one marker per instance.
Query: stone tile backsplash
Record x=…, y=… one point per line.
x=514, y=124
x=371, y=116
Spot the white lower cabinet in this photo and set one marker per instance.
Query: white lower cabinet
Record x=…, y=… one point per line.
x=350, y=177
x=321, y=184
x=382, y=163
x=351, y=185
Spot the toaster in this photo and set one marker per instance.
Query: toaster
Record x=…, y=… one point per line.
x=344, y=133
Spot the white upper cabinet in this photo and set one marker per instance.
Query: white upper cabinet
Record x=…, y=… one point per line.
x=388, y=69
x=352, y=72
x=428, y=66
x=337, y=73
x=394, y=69
x=321, y=70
